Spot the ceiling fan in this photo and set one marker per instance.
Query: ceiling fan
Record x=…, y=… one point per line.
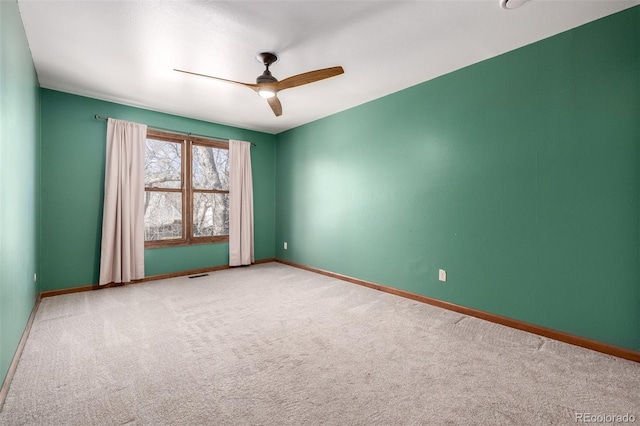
x=268, y=86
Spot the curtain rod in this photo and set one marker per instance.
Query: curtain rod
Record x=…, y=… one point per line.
x=99, y=117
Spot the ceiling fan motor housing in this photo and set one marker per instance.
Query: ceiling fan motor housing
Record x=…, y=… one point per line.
x=266, y=77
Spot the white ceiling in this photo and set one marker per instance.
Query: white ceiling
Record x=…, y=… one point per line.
x=125, y=51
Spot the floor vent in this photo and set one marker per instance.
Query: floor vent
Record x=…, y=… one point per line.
x=198, y=276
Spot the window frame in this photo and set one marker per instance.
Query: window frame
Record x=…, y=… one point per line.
x=187, y=190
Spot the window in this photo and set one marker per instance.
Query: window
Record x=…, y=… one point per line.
x=186, y=190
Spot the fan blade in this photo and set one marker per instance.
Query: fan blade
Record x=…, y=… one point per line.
x=249, y=85
x=308, y=77
x=275, y=105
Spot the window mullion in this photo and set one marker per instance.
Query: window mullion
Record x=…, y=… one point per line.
x=154, y=189
x=209, y=191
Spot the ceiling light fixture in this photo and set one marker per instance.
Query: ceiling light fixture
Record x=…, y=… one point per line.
x=512, y=4
x=267, y=92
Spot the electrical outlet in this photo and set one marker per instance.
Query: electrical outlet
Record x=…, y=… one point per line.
x=442, y=275
x=35, y=278
x=285, y=245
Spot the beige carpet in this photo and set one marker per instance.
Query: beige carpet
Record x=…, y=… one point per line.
x=275, y=345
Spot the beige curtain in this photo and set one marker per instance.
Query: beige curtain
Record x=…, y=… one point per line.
x=122, y=255
x=240, y=204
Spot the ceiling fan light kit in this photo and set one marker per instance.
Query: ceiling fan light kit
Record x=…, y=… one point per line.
x=266, y=92
x=267, y=86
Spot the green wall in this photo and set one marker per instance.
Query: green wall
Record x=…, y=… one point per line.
x=73, y=152
x=19, y=151
x=518, y=175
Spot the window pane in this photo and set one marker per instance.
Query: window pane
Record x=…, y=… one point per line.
x=210, y=168
x=210, y=214
x=162, y=215
x=162, y=164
